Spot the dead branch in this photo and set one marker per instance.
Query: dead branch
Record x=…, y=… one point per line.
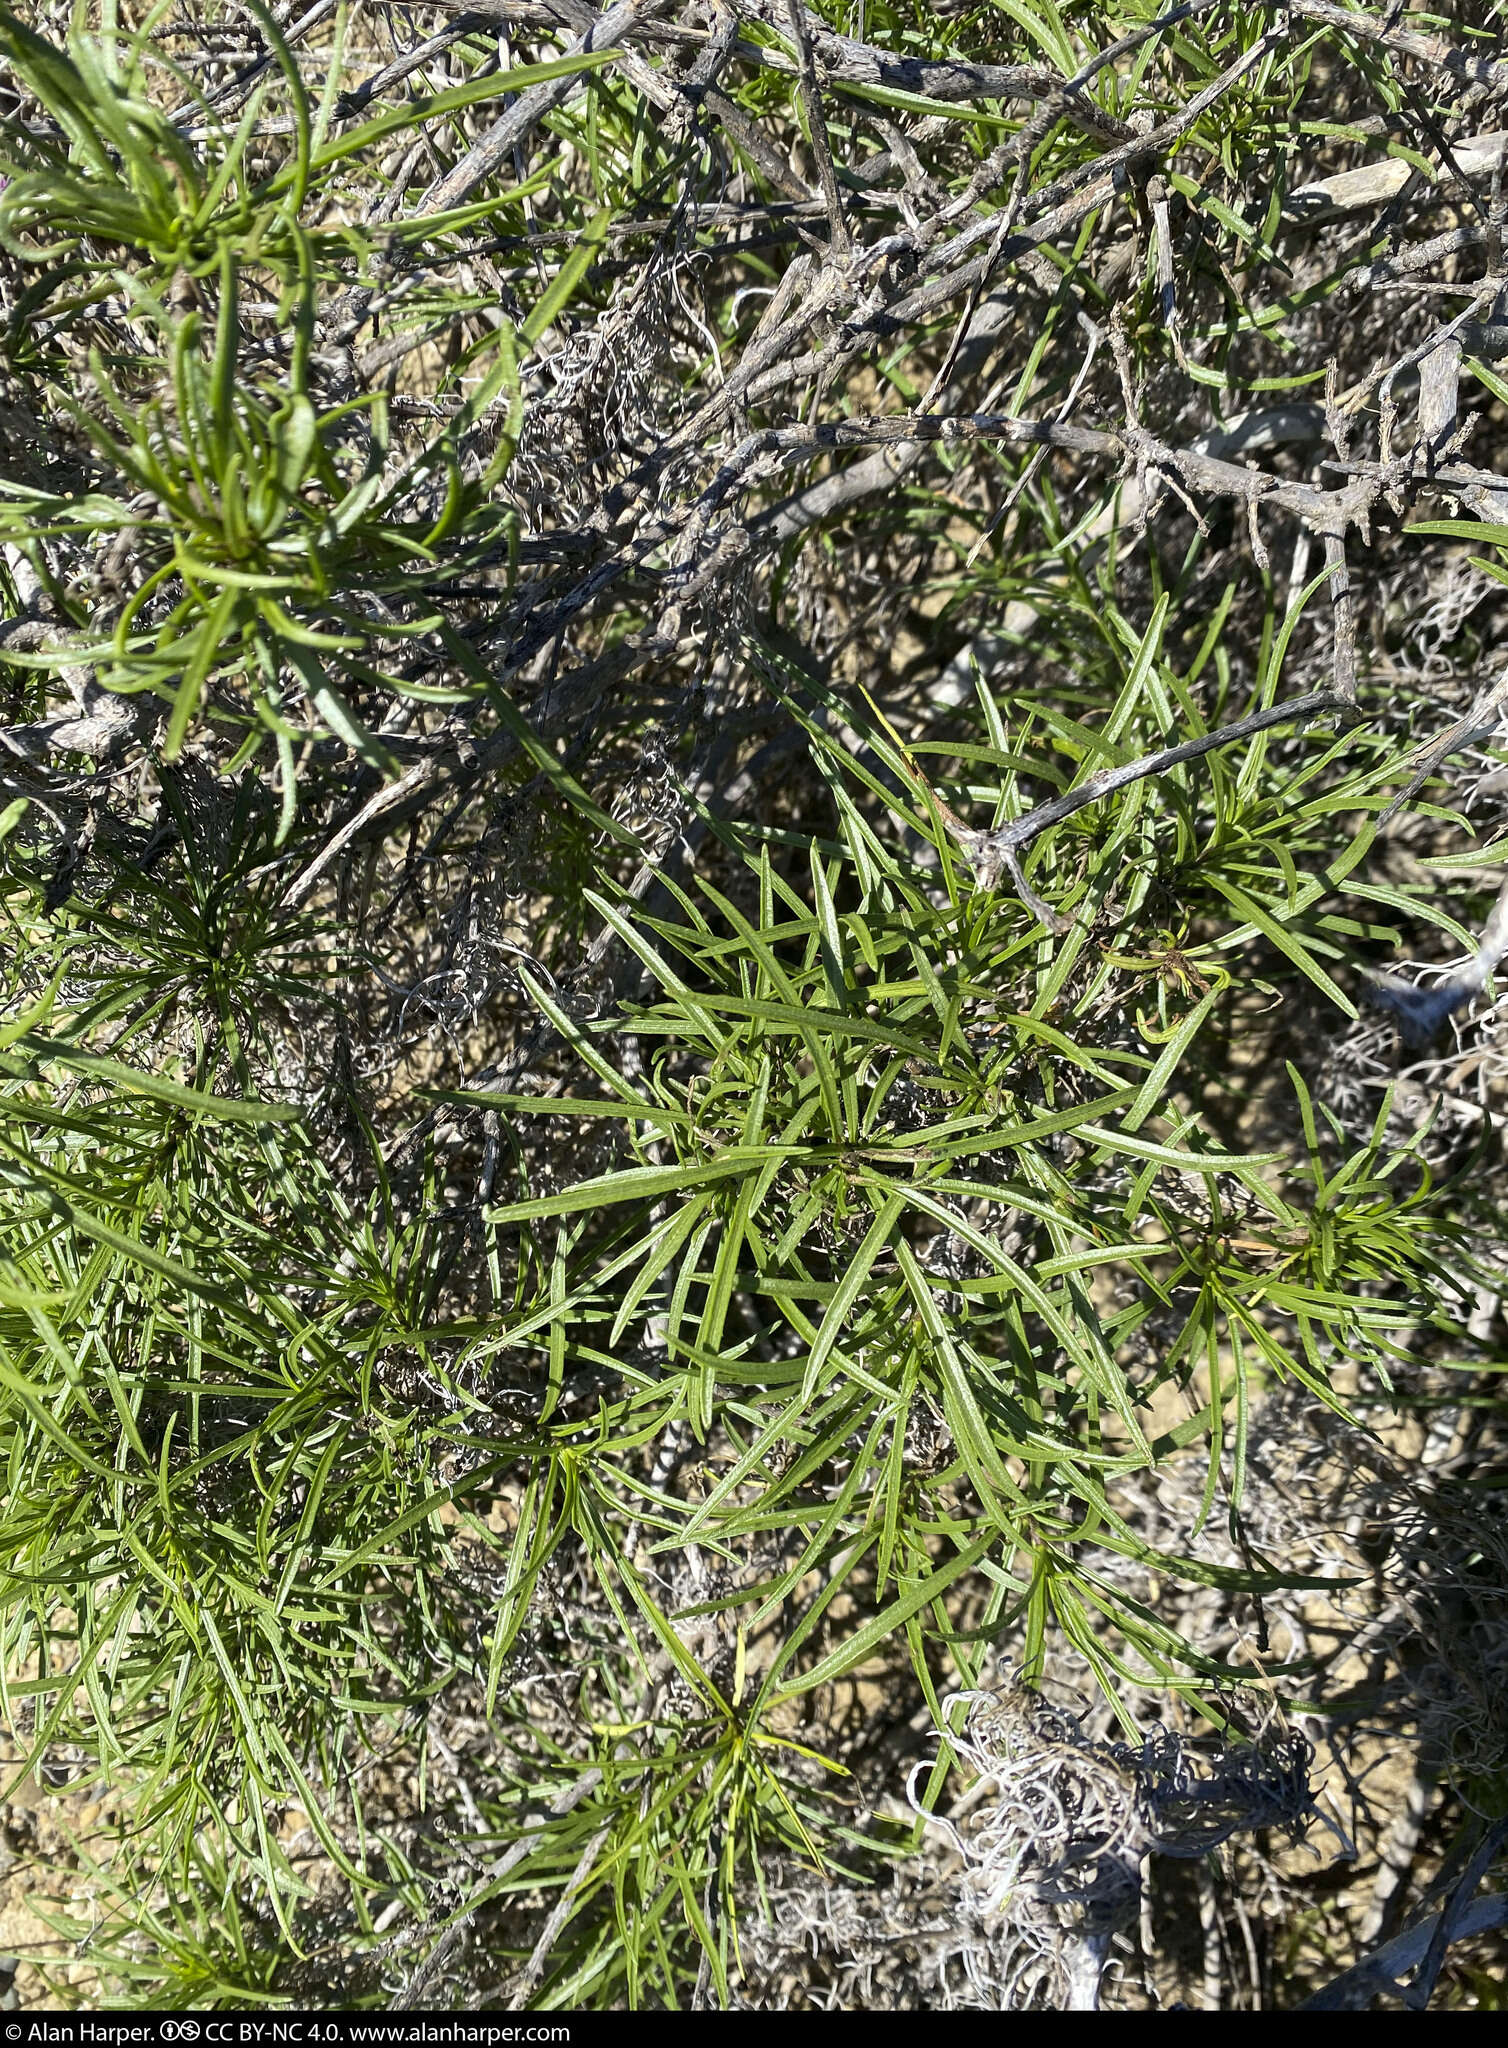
x=992, y=853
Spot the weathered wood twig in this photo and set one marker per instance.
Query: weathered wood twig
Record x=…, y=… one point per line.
x=992, y=853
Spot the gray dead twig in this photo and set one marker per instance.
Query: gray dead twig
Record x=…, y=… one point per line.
x=498, y=144
x=992, y=853
x=429, y=1973
x=1424, y=1946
